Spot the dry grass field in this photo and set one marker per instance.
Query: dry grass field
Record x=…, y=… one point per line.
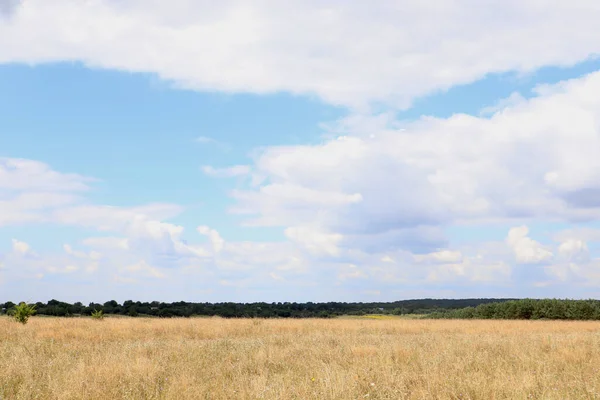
x=213, y=358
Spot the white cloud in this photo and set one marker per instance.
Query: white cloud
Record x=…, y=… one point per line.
x=141, y=246
x=486, y=263
x=350, y=271
x=92, y=256
x=314, y=241
x=578, y=274
x=140, y=269
x=574, y=250
x=34, y=176
x=32, y=192
x=442, y=256
x=351, y=53
x=511, y=101
x=462, y=169
x=526, y=250
x=69, y=250
x=302, y=199
x=134, y=220
x=106, y=242
x=215, y=239
x=261, y=256
x=29, y=190
x=144, y=232
x=67, y=269
x=289, y=266
x=471, y=269
x=582, y=234
x=21, y=248
x=24, y=263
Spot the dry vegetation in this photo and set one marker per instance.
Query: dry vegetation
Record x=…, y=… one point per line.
x=122, y=358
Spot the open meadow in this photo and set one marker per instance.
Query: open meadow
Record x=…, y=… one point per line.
x=214, y=358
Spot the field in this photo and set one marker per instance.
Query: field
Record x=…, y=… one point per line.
x=213, y=358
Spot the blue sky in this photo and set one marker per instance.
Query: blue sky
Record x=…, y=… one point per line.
x=207, y=153
x=134, y=134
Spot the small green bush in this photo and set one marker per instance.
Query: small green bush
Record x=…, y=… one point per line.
x=98, y=314
x=22, y=312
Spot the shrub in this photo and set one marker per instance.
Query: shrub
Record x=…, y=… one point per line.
x=98, y=314
x=22, y=312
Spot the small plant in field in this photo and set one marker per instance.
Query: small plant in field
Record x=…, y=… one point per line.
x=98, y=314
x=22, y=312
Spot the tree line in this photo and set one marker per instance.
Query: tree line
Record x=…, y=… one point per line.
x=526, y=309
x=431, y=308
x=251, y=310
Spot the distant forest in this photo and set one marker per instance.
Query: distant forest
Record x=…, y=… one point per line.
x=526, y=309
x=430, y=308
x=250, y=310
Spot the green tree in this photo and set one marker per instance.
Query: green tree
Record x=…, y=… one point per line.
x=132, y=312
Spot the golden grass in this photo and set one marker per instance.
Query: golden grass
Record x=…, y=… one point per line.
x=384, y=316
x=372, y=316
x=213, y=358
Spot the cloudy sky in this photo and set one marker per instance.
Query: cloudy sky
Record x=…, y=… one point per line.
x=299, y=150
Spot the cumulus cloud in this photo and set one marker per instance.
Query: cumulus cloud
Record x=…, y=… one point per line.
x=534, y=161
x=526, y=250
x=351, y=54
x=574, y=250
x=574, y=264
x=215, y=239
x=32, y=192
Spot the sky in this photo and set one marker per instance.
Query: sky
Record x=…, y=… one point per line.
x=299, y=151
